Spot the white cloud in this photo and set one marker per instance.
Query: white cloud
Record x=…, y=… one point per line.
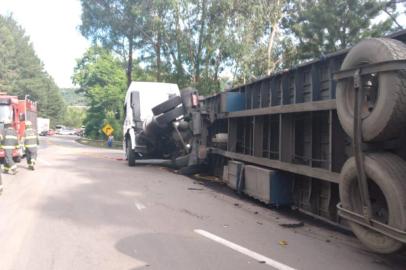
x=53, y=29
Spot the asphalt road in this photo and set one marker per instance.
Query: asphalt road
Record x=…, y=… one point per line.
x=84, y=208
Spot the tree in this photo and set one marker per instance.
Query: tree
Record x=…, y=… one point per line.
x=103, y=81
x=22, y=73
x=72, y=98
x=271, y=14
x=74, y=116
x=196, y=42
x=112, y=24
x=322, y=26
x=192, y=42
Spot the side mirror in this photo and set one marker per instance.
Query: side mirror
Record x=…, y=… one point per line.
x=22, y=117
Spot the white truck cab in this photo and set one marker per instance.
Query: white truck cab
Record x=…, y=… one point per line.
x=139, y=102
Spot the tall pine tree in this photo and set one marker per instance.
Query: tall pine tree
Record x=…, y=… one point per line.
x=22, y=73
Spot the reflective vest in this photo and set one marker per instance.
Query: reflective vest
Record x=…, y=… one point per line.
x=9, y=139
x=30, y=138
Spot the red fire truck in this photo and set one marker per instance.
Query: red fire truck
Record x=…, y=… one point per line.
x=17, y=111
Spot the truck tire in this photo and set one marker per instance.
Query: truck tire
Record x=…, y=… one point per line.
x=385, y=111
x=166, y=118
x=167, y=105
x=130, y=154
x=385, y=173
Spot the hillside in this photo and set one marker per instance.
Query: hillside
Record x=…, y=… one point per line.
x=72, y=98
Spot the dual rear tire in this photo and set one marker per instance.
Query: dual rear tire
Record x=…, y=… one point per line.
x=387, y=188
x=383, y=113
x=384, y=106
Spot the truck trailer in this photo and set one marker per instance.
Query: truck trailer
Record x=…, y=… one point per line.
x=43, y=125
x=327, y=136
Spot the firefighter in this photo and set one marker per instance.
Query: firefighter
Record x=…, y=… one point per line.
x=9, y=143
x=31, y=143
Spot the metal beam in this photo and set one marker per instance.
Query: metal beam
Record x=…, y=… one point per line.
x=279, y=165
x=323, y=105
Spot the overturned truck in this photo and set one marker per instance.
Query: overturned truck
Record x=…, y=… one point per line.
x=169, y=133
x=328, y=136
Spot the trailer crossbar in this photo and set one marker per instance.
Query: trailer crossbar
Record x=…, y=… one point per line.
x=374, y=225
x=387, y=66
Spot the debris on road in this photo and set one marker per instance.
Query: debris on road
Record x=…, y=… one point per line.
x=194, y=188
x=207, y=177
x=292, y=225
x=283, y=243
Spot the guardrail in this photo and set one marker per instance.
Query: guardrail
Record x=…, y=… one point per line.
x=100, y=143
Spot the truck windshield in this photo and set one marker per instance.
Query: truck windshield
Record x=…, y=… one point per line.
x=5, y=113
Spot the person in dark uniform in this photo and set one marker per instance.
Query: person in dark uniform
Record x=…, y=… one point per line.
x=9, y=142
x=31, y=143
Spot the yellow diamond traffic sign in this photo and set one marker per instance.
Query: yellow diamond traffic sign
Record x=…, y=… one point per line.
x=107, y=129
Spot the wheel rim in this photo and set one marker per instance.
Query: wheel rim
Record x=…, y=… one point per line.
x=379, y=205
x=370, y=86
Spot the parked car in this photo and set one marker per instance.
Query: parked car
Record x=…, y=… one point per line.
x=44, y=133
x=51, y=132
x=63, y=132
x=80, y=132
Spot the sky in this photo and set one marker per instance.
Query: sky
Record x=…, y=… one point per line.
x=52, y=26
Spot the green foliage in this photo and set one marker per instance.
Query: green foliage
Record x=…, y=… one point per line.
x=74, y=117
x=112, y=24
x=196, y=42
x=72, y=98
x=103, y=82
x=323, y=26
x=22, y=73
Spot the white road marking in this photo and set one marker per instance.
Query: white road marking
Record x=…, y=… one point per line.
x=44, y=161
x=245, y=251
x=140, y=206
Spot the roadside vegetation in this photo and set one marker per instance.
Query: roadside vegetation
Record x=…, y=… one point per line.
x=102, y=81
x=22, y=72
x=205, y=43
